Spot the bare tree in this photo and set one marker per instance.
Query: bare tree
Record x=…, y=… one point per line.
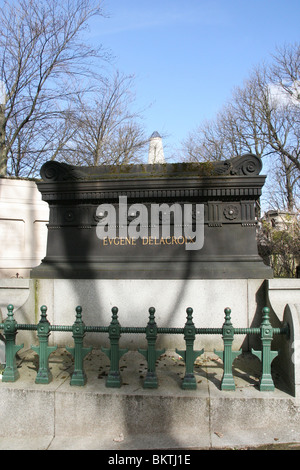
x=279, y=246
x=286, y=70
x=41, y=57
x=262, y=117
x=107, y=132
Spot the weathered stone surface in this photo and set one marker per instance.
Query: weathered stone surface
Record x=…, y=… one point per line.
x=23, y=231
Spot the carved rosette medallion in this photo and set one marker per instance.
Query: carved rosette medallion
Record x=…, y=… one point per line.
x=231, y=212
x=69, y=216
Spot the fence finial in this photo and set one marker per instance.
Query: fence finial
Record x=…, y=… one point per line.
x=227, y=356
x=78, y=352
x=11, y=373
x=189, y=355
x=151, y=354
x=266, y=355
x=114, y=353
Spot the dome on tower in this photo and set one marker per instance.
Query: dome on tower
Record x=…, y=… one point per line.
x=155, y=134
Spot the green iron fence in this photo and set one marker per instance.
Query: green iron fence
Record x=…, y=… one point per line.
x=151, y=354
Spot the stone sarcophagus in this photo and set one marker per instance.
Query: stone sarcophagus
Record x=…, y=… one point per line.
x=164, y=221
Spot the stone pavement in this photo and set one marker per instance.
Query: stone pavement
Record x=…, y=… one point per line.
x=58, y=416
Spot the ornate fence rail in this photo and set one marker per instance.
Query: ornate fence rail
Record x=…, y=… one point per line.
x=151, y=354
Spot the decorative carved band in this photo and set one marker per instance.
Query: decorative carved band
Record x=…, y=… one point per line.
x=84, y=195
x=215, y=214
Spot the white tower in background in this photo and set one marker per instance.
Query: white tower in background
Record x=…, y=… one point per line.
x=156, y=151
x=2, y=92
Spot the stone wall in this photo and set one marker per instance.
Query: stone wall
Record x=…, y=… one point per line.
x=23, y=231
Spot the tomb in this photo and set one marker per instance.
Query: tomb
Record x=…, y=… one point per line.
x=222, y=197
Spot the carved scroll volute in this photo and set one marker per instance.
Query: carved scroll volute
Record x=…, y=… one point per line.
x=245, y=165
x=56, y=171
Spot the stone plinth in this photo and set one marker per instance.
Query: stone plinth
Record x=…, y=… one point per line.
x=170, y=298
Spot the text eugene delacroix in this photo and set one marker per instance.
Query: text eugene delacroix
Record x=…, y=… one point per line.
x=147, y=241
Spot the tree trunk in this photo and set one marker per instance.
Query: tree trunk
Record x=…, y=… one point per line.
x=3, y=156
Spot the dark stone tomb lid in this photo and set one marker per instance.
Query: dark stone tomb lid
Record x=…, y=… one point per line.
x=244, y=165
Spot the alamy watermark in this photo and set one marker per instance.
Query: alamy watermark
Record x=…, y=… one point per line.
x=153, y=223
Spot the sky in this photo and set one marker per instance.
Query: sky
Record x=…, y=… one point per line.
x=187, y=56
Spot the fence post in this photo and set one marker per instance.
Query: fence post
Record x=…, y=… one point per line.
x=11, y=373
x=114, y=353
x=227, y=356
x=78, y=352
x=189, y=356
x=266, y=355
x=44, y=375
x=151, y=354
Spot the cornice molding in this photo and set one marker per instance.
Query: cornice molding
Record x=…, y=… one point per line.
x=244, y=165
